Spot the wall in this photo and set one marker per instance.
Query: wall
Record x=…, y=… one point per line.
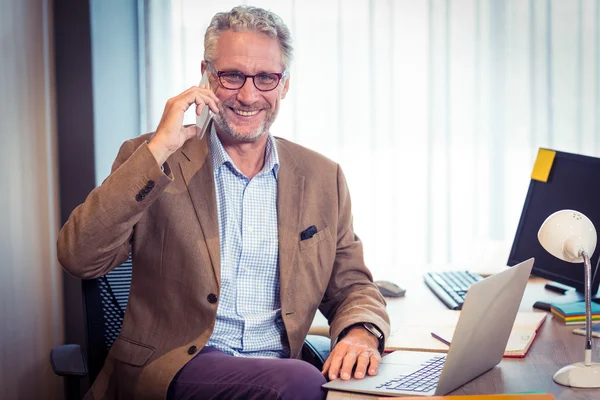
x=115, y=78
x=30, y=285
x=97, y=109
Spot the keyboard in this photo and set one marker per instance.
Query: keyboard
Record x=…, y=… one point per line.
x=451, y=286
x=423, y=380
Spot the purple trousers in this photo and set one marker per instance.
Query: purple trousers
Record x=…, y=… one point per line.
x=213, y=374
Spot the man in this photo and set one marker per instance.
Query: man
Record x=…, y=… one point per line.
x=236, y=237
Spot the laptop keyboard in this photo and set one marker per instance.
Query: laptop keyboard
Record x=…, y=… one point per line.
x=451, y=286
x=423, y=380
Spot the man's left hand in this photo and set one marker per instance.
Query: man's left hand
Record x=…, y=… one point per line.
x=358, y=347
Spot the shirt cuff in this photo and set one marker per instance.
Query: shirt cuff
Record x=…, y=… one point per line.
x=162, y=167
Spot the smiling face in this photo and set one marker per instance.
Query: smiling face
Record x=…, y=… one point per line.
x=246, y=114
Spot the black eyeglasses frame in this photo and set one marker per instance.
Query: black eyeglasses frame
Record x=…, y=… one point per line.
x=220, y=75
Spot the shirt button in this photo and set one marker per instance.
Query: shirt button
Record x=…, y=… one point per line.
x=250, y=229
x=192, y=350
x=212, y=298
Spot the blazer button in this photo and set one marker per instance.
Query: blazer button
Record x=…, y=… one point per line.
x=192, y=350
x=212, y=298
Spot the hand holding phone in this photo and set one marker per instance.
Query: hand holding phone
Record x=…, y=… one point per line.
x=170, y=135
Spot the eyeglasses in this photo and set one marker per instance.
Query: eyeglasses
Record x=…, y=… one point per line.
x=235, y=80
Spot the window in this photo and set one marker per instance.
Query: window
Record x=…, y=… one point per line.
x=434, y=109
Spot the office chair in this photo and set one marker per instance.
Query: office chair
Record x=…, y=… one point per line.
x=105, y=302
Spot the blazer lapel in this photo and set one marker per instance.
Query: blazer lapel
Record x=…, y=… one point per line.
x=197, y=172
x=290, y=193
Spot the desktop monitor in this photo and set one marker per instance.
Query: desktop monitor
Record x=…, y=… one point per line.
x=573, y=183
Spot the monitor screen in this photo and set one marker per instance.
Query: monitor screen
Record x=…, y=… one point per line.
x=573, y=183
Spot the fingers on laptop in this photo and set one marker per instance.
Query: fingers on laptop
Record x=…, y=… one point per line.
x=347, y=359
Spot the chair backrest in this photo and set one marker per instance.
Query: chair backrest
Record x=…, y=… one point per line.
x=105, y=304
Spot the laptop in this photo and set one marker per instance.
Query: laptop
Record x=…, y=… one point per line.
x=478, y=344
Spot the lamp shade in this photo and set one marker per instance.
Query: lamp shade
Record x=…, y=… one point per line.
x=566, y=233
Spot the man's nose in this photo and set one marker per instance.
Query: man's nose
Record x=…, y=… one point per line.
x=248, y=93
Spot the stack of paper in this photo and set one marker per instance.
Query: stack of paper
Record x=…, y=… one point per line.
x=574, y=313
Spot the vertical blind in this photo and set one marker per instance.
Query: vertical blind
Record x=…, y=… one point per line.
x=434, y=109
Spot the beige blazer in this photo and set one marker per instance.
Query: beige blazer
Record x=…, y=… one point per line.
x=169, y=222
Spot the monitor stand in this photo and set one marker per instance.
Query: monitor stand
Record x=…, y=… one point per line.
x=571, y=295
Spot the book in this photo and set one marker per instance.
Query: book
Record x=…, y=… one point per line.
x=338, y=395
x=574, y=313
x=518, y=344
x=415, y=335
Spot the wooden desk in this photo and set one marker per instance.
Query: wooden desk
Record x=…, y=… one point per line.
x=554, y=347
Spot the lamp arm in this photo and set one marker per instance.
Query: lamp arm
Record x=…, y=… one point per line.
x=588, y=308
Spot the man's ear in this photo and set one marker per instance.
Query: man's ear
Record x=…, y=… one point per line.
x=286, y=87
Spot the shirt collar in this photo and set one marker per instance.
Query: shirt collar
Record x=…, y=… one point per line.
x=220, y=156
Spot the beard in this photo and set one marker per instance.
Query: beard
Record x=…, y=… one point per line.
x=226, y=127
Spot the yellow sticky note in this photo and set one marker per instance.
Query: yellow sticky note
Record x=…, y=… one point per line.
x=543, y=165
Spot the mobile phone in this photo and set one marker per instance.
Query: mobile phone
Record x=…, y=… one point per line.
x=203, y=120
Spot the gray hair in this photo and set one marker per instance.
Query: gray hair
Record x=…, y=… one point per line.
x=249, y=19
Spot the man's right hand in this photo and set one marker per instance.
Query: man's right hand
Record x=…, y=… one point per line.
x=170, y=134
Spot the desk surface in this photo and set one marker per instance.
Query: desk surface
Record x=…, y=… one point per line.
x=554, y=347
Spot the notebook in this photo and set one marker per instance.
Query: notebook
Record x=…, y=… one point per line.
x=416, y=335
x=479, y=341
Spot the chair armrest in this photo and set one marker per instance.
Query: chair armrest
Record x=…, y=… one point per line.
x=316, y=350
x=67, y=360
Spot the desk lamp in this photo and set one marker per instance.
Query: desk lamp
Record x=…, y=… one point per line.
x=570, y=236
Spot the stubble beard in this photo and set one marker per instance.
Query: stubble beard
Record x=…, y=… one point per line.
x=226, y=127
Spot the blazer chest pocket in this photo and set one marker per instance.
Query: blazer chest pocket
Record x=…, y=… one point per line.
x=323, y=234
x=131, y=352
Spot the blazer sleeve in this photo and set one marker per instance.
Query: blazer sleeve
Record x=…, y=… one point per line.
x=97, y=236
x=351, y=297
